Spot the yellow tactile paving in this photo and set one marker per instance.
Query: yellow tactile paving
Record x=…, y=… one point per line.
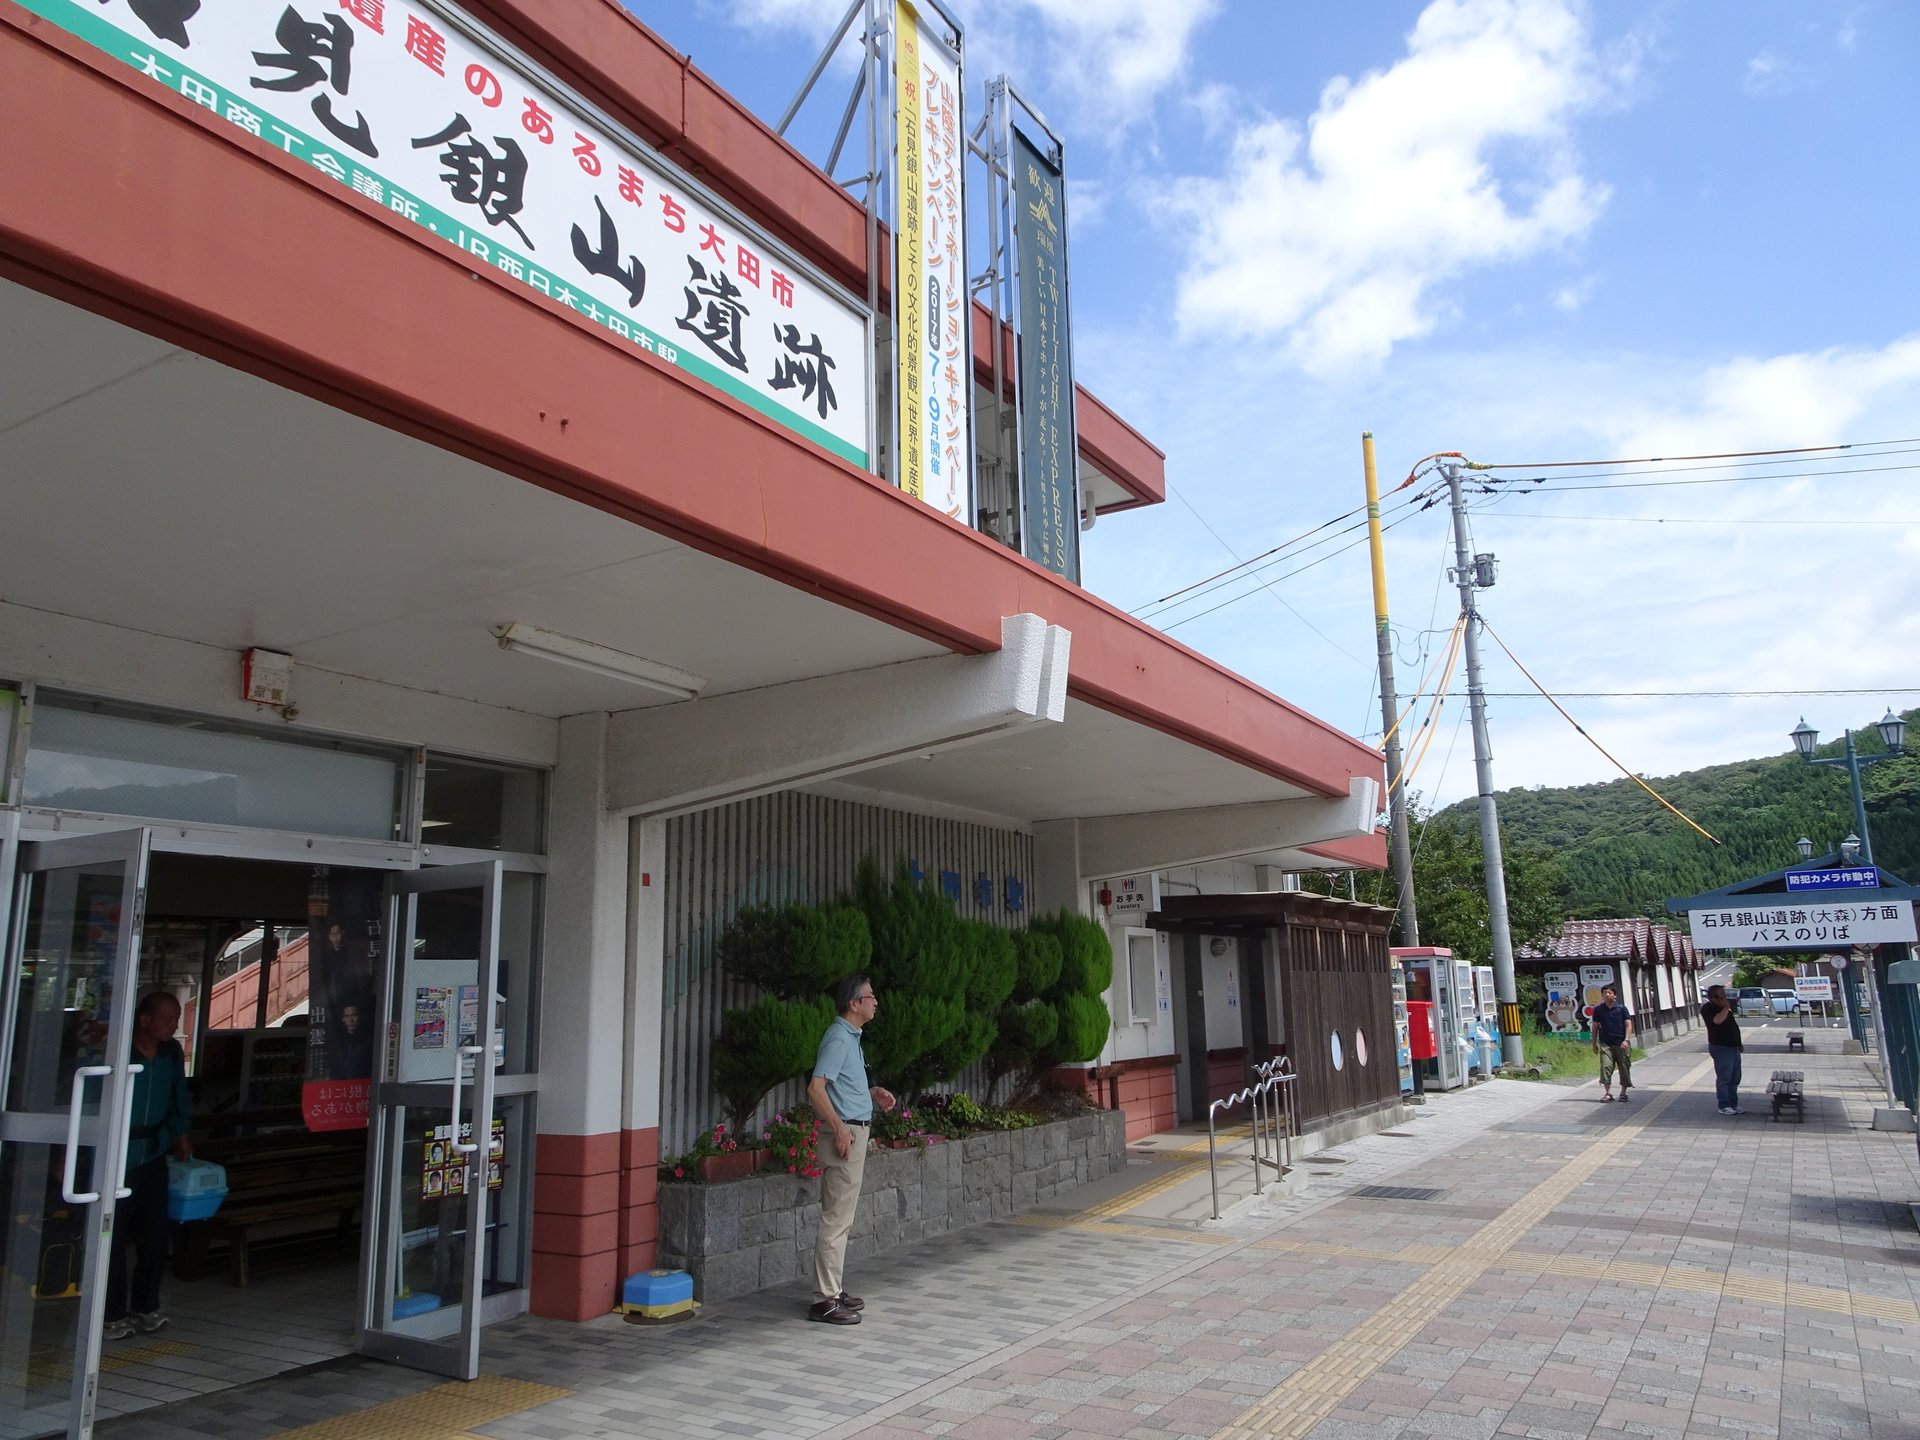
x=1172, y=1176
x=446, y=1412
x=1317, y=1388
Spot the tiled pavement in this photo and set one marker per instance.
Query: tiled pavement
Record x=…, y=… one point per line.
x=1583, y=1270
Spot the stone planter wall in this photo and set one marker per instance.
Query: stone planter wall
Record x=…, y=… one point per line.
x=744, y=1235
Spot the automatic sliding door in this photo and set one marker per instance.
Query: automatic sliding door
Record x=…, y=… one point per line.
x=68, y=1000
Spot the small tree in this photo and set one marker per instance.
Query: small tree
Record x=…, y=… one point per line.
x=923, y=964
x=794, y=953
x=1076, y=995
x=764, y=1045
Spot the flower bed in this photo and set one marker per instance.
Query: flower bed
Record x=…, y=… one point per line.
x=747, y=1234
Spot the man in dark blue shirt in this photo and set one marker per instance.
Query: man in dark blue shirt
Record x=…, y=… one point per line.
x=1613, y=1043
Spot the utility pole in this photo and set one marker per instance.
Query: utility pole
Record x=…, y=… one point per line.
x=1397, y=843
x=1470, y=573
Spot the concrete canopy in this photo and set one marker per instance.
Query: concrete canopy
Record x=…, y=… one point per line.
x=296, y=425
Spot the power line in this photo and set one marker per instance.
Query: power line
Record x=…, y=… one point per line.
x=1662, y=459
x=1265, y=585
x=1858, y=453
x=1560, y=489
x=1696, y=694
x=1265, y=560
x=1330, y=555
x=1679, y=520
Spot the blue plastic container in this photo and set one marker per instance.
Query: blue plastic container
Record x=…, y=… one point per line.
x=195, y=1188
x=657, y=1293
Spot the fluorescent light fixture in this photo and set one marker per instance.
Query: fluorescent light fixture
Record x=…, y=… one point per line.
x=599, y=660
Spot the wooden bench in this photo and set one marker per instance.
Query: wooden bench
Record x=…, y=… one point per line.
x=273, y=1179
x=1796, y=1040
x=1787, y=1087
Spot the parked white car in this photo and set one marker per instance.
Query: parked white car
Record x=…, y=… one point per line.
x=1785, y=1002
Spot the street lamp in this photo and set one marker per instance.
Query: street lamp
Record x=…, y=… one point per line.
x=1859, y=845
x=1805, y=847
x=1893, y=733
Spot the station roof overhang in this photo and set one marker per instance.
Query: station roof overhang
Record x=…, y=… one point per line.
x=1260, y=911
x=242, y=407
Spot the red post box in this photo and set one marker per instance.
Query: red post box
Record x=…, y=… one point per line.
x=1420, y=1038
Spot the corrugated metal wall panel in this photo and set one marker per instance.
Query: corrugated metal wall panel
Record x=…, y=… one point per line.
x=778, y=849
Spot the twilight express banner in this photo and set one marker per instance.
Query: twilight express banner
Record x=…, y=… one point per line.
x=403, y=102
x=933, y=378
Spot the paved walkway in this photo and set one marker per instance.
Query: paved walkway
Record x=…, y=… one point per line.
x=1518, y=1260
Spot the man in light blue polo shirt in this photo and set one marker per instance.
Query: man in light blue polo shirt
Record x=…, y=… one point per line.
x=844, y=1102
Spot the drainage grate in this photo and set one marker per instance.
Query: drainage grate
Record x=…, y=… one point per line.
x=1396, y=1192
x=1397, y=1134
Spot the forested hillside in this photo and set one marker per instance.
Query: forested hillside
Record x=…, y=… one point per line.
x=1621, y=853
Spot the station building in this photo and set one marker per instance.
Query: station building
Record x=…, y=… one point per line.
x=390, y=626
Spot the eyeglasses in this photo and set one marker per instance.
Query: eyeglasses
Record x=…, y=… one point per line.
x=868, y=996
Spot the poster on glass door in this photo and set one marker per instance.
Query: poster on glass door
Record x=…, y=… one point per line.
x=343, y=952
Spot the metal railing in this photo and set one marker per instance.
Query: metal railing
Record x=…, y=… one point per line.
x=1274, y=1124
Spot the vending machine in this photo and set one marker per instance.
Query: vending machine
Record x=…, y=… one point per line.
x=1434, y=977
x=1402, y=1034
x=1487, y=1029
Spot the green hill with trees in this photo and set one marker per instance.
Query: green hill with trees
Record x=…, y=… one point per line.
x=1618, y=852
x=1611, y=850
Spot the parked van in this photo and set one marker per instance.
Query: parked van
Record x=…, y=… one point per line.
x=1752, y=1000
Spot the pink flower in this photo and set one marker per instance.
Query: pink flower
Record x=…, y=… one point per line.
x=678, y=1173
x=791, y=1150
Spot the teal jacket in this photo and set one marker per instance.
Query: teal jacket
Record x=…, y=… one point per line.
x=159, y=1114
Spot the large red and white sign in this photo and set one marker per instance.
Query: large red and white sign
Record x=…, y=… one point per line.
x=415, y=107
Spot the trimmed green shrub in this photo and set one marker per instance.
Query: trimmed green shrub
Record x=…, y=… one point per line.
x=1086, y=965
x=1038, y=959
x=996, y=965
x=794, y=951
x=764, y=1045
x=1084, y=1023
x=1028, y=1028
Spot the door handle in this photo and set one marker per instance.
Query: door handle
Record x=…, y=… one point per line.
x=68, y=1175
x=125, y=1189
x=472, y=1145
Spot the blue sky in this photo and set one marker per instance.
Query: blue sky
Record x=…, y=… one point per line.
x=1528, y=230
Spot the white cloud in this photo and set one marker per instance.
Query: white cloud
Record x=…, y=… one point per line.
x=1333, y=236
x=1770, y=74
x=1572, y=297
x=1120, y=53
x=1811, y=398
x=1124, y=52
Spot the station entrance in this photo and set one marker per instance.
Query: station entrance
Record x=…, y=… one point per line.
x=356, y=1044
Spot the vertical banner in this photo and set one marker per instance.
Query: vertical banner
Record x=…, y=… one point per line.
x=1050, y=524
x=932, y=377
x=343, y=950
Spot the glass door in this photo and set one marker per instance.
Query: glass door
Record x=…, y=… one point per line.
x=439, y=1138
x=72, y=962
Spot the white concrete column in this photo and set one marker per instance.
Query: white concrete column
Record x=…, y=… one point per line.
x=646, y=971
x=583, y=1037
x=1058, y=882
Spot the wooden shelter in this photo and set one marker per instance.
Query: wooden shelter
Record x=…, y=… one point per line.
x=1310, y=979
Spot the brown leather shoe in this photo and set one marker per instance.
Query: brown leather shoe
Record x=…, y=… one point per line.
x=851, y=1302
x=832, y=1312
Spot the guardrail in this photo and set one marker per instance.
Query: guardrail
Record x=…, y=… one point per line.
x=1274, y=1124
